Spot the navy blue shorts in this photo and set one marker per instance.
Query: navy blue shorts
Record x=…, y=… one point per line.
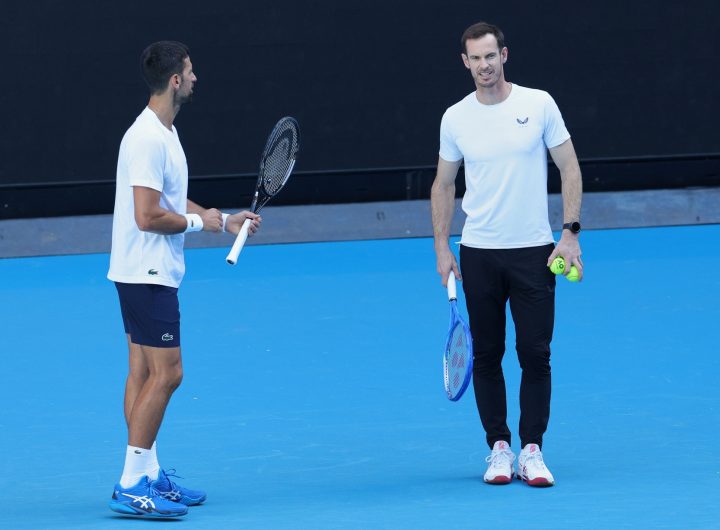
x=150, y=313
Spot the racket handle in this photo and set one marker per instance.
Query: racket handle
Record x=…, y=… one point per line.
x=451, y=288
x=239, y=243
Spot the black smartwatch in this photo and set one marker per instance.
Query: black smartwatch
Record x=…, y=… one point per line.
x=574, y=227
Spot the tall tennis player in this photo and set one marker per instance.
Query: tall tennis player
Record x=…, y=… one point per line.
x=502, y=132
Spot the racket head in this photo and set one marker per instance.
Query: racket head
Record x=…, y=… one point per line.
x=458, y=356
x=279, y=156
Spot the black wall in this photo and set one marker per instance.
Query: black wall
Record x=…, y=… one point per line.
x=368, y=81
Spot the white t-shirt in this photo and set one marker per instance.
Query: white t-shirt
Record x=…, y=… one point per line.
x=505, y=151
x=150, y=156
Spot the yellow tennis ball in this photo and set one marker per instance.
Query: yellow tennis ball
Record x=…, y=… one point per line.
x=573, y=275
x=558, y=265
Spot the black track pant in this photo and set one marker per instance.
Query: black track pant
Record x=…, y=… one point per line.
x=491, y=278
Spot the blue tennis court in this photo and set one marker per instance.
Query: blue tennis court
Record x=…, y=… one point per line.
x=313, y=393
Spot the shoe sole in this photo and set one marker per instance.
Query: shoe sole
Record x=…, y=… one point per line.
x=537, y=482
x=499, y=481
x=128, y=510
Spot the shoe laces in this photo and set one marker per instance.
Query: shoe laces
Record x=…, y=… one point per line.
x=500, y=458
x=534, y=459
x=171, y=473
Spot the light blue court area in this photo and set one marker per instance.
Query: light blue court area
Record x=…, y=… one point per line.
x=313, y=394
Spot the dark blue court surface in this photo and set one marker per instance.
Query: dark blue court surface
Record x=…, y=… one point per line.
x=313, y=393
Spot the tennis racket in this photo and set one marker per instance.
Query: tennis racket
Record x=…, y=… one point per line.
x=276, y=164
x=458, y=357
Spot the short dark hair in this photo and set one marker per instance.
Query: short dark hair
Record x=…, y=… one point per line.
x=480, y=30
x=160, y=61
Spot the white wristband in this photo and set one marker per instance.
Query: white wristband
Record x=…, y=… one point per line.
x=194, y=222
x=225, y=216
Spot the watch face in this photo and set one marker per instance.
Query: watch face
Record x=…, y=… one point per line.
x=574, y=227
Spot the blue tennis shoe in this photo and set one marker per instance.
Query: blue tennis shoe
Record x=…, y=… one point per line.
x=145, y=501
x=176, y=493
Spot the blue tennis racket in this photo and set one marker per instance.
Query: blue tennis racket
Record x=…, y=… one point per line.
x=458, y=357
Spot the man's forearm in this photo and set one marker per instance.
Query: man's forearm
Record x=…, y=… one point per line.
x=161, y=221
x=571, y=193
x=151, y=217
x=442, y=203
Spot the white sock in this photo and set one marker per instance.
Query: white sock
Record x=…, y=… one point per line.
x=136, y=465
x=153, y=469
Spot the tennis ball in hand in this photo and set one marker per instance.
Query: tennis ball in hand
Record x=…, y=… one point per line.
x=558, y=267
x=573, y=275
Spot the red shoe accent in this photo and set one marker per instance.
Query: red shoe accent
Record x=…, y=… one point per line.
x=499, y=480
x=539, y=482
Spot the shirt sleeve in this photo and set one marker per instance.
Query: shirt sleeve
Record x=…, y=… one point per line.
x=555, y=132
x=146, y=163
x=448, y=148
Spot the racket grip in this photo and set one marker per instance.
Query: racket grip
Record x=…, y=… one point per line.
x=451, y=288
x=239, y=243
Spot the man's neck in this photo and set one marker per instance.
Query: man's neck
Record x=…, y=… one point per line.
x=494, y=94
x=164, y=108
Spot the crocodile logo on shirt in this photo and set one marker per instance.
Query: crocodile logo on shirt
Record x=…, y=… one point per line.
x=152, y=272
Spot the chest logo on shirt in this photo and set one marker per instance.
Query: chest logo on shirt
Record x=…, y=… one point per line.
x=152, y=272
x=523, y=123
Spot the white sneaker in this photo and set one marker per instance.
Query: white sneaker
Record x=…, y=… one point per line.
x=531, y=467
x=500, y=468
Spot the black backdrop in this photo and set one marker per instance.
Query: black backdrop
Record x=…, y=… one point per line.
x=368, y=82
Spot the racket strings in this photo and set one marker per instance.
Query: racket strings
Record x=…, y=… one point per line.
x=280, y=157
x=458, y=357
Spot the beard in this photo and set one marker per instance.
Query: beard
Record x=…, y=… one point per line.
x=181, y=100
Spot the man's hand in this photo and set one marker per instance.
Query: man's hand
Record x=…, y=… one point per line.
x=569, y=248
x=446, y=262
x=236, y=220
x=212, y=220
